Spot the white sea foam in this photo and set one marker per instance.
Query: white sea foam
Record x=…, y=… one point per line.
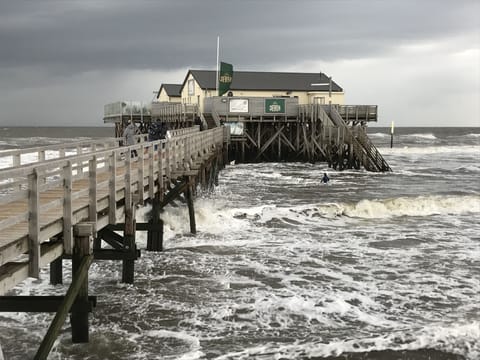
x=428, y=136
x=413, y=206
x=373, y=209
x=473, y=135
x=211, y=216
x=214, y=218
x=192, y=342
x=406, y=150
x=378, y=135
x=457, y=339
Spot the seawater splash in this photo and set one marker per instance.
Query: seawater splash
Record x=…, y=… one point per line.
x=424, y=150
x=426, y=136
x=448, y=340
x=413, y=206
x=367, y=209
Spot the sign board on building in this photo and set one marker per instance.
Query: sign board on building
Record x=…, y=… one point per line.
x=238, y=106
x=236, y=128
x=274, y=106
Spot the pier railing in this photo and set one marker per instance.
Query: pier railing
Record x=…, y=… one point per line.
x=173, y=112
x=45, y=199
x=369, y=155
x=19, y=157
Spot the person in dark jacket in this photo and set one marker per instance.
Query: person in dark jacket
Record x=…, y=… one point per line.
x=129, y=135
x=325, y=178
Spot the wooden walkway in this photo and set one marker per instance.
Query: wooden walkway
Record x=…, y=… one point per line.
x=65, y=185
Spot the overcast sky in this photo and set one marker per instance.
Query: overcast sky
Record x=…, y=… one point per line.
x=61, y=61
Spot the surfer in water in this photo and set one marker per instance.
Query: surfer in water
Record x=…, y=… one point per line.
x=325, y=178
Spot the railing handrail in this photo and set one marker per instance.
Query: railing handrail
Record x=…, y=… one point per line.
x=361, y=143
x=61, y=148
x=26, y=169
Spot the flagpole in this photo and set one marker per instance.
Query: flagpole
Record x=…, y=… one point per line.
x=218, y=56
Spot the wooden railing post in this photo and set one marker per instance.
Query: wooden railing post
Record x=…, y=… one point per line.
x=79, y=163
x=161, y=153
x=168, y=162
x=16, y=159
x=112, y=183
x=151, y=171
x=33, y=225
x=92, y=189
x=141, y=171
x=67, y=209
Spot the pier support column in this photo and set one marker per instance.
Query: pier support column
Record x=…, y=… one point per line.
x=83, y=247
x=191, y=210
x=56, y=266
x=56, y=271
x=154, y=234
x=129, y=246
x=203, y=176
x=97, y=243
x=225, y=154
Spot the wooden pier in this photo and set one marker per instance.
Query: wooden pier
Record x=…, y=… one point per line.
x=335, y=134
x=72, y=199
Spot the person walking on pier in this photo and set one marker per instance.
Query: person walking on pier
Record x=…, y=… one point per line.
x=129, y=135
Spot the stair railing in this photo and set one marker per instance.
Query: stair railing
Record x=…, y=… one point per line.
x=361, y=144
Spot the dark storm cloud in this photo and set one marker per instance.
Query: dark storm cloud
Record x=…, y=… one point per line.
x=61, y=61
x=67, y=36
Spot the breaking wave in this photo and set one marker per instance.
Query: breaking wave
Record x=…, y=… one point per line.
x=428, y=136
x=215, y=217
x=369, y=209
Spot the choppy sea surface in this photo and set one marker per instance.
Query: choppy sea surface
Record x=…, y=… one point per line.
x=284, y=267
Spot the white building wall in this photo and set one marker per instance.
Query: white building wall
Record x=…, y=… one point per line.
x=192, y=94
x=165, y=98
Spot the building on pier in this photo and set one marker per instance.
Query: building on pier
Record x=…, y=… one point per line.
x=308, y=88
x=272, y=116
x=169, y=93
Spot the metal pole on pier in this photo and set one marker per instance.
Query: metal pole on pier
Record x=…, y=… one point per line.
x=391, y=136
x=218, y=59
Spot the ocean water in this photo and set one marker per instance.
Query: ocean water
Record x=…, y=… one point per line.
x=284, y=267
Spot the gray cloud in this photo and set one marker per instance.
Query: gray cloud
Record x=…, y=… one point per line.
x=52, y=43
x=167, y=34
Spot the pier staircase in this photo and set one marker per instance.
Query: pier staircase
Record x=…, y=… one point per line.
x=362, y=147
x=210, y=120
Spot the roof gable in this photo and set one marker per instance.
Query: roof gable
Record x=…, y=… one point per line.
x=252, y=80
x=172, y=90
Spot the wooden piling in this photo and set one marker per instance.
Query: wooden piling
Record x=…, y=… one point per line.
x=191, y=210
x=79, y=285
x=154, y=235
x=83, y=247
x=129, y=247
x=56, y=271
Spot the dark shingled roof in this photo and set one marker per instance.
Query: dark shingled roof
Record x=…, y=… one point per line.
x=252, y=80
x=172, y=90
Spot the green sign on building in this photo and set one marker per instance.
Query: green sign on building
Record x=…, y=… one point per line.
x=274, y=106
